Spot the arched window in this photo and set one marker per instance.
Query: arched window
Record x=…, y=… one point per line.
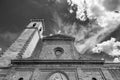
x=34, y=24
x=21, y=78
x=94, y=78
x=58, y=51
x=57, y=76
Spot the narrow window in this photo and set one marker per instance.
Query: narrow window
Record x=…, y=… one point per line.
x=34, y=24
x=94, y=78
x=21, y=78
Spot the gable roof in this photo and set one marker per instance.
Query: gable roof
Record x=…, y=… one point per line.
x=59, y=37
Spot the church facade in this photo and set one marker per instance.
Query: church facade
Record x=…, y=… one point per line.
x=53, y=57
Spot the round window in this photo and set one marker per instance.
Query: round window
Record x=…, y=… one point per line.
x=58, y=51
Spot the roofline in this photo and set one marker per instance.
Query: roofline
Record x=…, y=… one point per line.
x=37, y=61
x=58, y=39
x=68, y=38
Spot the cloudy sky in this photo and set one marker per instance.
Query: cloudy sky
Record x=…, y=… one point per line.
x=15, y=15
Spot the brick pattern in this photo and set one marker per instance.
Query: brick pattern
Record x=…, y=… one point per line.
x=26, y=75
x=25, y=44
x=48, y=52
x=45, y=74
x=16, y=47
x=115, y=73
x=2, y=76
x=80, y=73
x=88, y=74
x=107, y=74
x=72, y=73
x=31, y=45
x=36, y=74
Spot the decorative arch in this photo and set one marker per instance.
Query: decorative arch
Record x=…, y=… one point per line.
x=57, y=75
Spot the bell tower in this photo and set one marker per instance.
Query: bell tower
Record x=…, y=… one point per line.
x=25, y=44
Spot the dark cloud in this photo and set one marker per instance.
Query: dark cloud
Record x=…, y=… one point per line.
x=18, y=12
x=15, y=14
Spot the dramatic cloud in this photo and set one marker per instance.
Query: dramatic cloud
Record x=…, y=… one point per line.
x=15, y=16
x=91, y=34
x=110, y=47
x=89, y=21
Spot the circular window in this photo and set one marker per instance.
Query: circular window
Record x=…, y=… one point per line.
x=58, y=51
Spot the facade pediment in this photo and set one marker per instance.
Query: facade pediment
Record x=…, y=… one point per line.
x=59, y=37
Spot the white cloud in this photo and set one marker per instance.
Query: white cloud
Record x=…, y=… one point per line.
x=110, y=47
x=116, y=60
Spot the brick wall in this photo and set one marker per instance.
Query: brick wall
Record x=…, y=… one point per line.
x=48, y=50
